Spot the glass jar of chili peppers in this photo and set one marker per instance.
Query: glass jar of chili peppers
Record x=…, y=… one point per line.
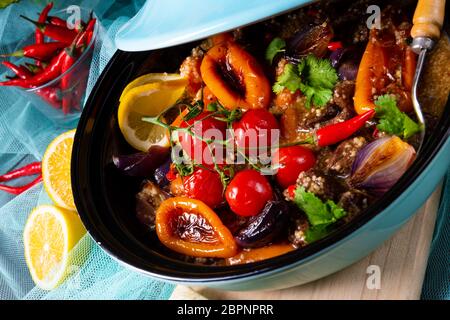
x=53, y=71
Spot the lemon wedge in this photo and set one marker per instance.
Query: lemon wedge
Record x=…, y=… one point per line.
x=152, y=78
x=56, y=170
x=148, y=96
x=50, y=234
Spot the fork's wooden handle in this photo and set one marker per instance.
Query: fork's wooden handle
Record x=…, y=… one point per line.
x=428, y=19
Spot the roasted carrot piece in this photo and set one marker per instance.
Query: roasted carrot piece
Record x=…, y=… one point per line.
x=258, y=254
x=370, y=76
x=409, y=68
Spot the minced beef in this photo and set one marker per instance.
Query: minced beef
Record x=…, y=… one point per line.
x=148, y=201
x=341, y=160
x=323, y=186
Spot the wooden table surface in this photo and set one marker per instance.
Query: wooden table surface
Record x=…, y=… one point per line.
x=402, y=261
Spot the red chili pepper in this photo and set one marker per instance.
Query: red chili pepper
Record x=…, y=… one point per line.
x=337, y=132
x=21, y=71
x=333, y=46
x=79, y=88
x=67, y=62
x=55, y=32
x=90, y=30
x=80, y=43
x=17, y=82
x=57, y=21
x=41, y=51
x=19, y=190
x=70, y=95
x=28, y=170
x=39, y=36
x=35, y=68
x=52, y=95
x=52, y=71
x=291, y=191
x=375, y=133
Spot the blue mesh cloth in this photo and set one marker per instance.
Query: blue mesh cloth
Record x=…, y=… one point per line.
x=24, y=135
x=437, y=278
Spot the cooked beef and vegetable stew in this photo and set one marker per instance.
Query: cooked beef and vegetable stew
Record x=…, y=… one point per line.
x=312, y=122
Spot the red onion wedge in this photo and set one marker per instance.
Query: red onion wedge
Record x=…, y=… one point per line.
x=142, y=164
x=380, y=164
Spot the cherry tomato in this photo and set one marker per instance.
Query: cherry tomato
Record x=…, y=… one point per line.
x=204, y=185
x=248, y=192
x=261, y=122
x=195, y=148
x=292, y=161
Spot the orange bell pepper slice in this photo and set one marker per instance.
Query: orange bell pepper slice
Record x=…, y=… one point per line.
x=208, y=97
x=256, y=90
x=221, y=38
x=173, y=219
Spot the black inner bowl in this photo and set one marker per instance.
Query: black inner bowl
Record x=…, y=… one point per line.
x=105, y=198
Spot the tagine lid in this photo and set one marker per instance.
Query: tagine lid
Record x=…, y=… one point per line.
x=165, y=23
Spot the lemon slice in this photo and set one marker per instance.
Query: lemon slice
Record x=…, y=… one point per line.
x=49, y=235
x=151, y=78
x=148, y=97
x=56, y=170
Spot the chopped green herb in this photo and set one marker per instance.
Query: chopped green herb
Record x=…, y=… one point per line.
x=276, y=46
x=314, y=77
x=212, y=107
x=315, y=233
x=223, y=114
x=392, y=120
x=194, y=110
x=321, y=215
x=184, y=169
x=289, y=79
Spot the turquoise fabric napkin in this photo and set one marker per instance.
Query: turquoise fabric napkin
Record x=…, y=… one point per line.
x=437, y=278
x=24, y=135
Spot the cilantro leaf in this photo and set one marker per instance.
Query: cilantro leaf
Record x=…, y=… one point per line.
x=320, y=73
x=289, y=79
x=392, y=120
x=319, y=80
x=410, y=127
x=5, y=3
x=314, y=233
x=314, y=77
x=276, y=46
x=321, y=215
